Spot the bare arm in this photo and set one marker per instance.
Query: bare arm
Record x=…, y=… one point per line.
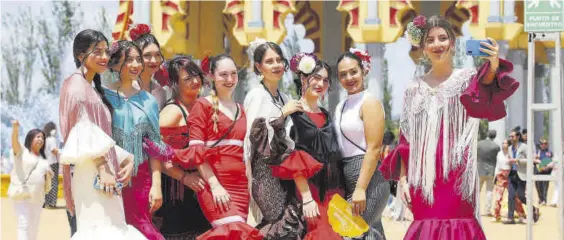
x=303, y=188
x=16, y=146
x=373, y=118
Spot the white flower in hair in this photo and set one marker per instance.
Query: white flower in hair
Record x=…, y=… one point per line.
x=307, y=64
x=253, y=46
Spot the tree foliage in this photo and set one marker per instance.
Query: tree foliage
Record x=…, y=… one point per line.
x=54, y=42
x=387, y=99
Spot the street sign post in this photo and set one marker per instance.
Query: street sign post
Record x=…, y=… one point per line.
x=544, y=15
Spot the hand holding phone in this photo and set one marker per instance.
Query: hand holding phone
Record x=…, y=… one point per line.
x=473, y=48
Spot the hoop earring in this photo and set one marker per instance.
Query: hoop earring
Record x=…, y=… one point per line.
x=260, y=77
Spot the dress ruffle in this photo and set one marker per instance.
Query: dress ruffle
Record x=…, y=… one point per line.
x=232, y=231
x=298, y=163
x=391, y=164
x=109, y=232
x=320, y=229
x=486, y=101
x=458, y=228
x=86, y=141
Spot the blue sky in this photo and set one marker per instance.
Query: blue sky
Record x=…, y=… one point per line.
x=400, y=65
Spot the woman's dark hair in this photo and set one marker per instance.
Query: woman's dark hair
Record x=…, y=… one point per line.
x=124, y=48
x=506, y=141
x=29, y=140
x=437, y=21
x=318, y=66
x=83, y=41
x=261, y=50
x=178, y=63
x=50, y=126
x=351, y=55
x=389, y=138
x=145, y=40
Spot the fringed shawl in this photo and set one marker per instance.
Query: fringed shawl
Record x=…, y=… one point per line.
x=425, y=111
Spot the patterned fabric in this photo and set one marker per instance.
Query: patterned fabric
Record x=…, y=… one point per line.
x=377, y=194
x=51, y=197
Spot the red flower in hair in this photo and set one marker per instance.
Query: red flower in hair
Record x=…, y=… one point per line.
x=420, y=21
x=138, y=31
x=162, y=76
x=205, y=65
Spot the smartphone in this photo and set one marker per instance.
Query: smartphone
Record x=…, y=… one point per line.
x=97, y=186
x=473, y=48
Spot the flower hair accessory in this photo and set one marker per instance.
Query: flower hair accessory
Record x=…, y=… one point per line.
x=364, y=57
x=303, y=62
x=162, y=75
x=205, y=65
x=138, y=30
x=114, y=48
x=253, y=46
x=414, y=31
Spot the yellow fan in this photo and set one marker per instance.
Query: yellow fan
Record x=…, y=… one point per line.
x=341, y=219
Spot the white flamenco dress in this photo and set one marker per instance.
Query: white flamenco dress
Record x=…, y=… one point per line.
x=99, y=216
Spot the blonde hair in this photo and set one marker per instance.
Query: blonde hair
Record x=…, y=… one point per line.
x=213, y=93
x=215, y=107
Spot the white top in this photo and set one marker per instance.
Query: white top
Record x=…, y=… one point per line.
x=50, y=144
x=502, y=163
x=259, y=103
x=24, y=164
x=353, y=126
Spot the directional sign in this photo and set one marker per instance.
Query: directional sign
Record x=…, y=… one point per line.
x=544, y=15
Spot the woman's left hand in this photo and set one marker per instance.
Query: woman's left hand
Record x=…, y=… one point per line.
x=358, y=202
x=155, y=198
x=492, y=50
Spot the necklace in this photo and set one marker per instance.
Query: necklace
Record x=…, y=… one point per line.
x=278, y=101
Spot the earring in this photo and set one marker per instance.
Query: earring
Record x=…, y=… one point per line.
x=260, y=77
x=114, y=76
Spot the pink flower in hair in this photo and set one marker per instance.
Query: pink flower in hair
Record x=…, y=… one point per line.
x=420, y=21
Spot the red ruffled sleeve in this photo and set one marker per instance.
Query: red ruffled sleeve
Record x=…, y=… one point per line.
x=200, y=125
x=391, y=165
x=486, y=101
x=298, y=163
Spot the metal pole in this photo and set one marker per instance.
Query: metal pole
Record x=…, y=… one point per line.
x=530, y=125
x=557, y=99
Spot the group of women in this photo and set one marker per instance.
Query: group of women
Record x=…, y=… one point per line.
x=193, y=166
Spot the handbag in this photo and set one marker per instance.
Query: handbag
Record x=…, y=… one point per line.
x=22, y=190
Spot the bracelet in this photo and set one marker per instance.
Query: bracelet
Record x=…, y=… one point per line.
x=308, y=202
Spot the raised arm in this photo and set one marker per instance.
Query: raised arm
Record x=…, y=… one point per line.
x=16, y=146
x=372, y=115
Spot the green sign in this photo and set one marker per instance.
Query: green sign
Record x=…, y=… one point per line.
x=544, y=15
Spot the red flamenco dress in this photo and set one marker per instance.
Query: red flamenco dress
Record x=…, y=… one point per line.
x=448, y=210
x=226, y=160
x=180, y=216
x=316, y=158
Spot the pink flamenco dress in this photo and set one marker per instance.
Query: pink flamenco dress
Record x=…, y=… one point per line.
x=223, y=151
x=443, y=180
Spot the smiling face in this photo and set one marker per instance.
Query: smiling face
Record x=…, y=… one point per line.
x=350, y=75
x=131, y=64
x=152, y=58
x=37, y=142
x=438, y=46
x=318, y=84
x=188, y=85
x=225, y=76
x=272, y=66
x=97, y=60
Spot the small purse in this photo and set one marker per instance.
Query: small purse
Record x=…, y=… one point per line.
x=21, y=191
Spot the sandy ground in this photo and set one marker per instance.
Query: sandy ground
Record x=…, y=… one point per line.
x=54, y=225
